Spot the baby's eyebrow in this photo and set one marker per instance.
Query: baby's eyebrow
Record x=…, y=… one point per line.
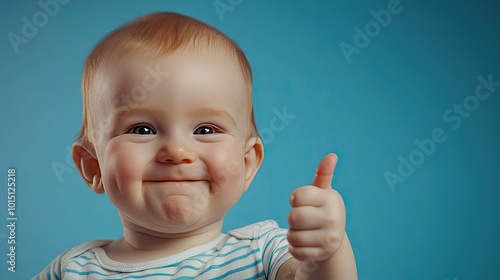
x=123, y=113
x=209, y=111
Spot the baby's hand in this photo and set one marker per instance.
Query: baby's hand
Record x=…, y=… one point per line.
x=317, y=218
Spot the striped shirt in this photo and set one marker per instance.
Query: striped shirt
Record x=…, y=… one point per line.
x=253, y=252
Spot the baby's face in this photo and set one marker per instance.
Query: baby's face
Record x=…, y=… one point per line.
x=171, y=148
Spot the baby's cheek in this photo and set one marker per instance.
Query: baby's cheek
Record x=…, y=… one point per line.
x=231, y=172
x=227, y=176
x=125, y=164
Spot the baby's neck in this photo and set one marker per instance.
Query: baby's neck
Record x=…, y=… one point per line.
x=140, y=246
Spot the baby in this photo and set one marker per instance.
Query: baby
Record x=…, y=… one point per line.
x=169, y=135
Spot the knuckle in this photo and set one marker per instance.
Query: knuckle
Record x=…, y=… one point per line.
x=331, y=220
x=321, y=255
x=334, y=196
x=338, y=197
x=292, y=217
x=300, y=254
x=292, y=237
x=298, y=193
x=329, y=243
x=295, y=217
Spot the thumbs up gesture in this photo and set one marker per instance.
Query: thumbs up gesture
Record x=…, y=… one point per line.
x=317, y=218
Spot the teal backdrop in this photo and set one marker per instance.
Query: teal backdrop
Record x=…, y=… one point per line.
x=405, y=92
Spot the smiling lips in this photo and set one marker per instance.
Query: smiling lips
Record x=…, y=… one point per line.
x=176, y=181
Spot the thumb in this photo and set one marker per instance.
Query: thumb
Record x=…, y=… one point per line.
x=324, y=173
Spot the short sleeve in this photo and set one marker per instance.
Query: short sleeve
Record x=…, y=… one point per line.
x=272, y=242
x=56, y=269
x=52, y=271
x=275, y=252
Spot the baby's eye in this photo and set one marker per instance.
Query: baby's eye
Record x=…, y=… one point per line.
x=142, y=129
x=206, y=129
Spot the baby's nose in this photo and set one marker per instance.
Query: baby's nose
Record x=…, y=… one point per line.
x=176, y=152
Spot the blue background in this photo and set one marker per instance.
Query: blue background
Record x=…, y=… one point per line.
x=442, y=222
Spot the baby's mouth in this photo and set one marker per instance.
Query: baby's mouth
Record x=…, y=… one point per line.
x=174, y=180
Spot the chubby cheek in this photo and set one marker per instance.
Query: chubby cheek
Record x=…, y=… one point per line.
x=227, y=169
x=123, y=170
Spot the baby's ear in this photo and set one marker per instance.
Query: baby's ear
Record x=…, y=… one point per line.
x=254, y=154
x=86, y=161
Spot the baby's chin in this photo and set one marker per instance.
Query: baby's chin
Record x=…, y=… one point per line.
x=176, y=216
x=180, y=211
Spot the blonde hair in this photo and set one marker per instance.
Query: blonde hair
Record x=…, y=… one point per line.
x=156, y=35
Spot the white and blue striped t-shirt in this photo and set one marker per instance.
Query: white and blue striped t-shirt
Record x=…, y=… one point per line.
x=252, y=252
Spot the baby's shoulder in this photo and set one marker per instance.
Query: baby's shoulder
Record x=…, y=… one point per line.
x=257, y=230
x=57, y=268
x=82, y=249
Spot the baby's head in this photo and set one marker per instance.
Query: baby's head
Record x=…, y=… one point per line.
x=154, y=37
x=168, y=129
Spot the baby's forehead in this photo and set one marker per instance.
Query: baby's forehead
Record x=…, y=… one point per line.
x=201, y=76
x=147, y=70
